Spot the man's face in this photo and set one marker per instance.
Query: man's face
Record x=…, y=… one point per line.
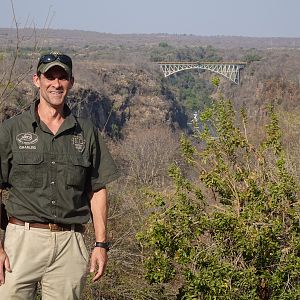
x=54, y=86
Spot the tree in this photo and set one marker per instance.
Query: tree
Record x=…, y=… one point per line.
x=147, y=153
x=13, y=73
x=232, y=232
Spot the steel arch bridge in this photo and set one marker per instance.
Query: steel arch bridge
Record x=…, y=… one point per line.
x=230, y=70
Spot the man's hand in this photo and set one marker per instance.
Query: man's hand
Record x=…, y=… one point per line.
x=4, y=265
x=98, y=262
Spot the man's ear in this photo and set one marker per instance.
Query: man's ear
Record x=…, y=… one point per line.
x=36, y=80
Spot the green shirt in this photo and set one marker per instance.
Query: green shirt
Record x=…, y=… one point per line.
x=49, y=177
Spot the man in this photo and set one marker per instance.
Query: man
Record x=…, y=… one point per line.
x=55, y=167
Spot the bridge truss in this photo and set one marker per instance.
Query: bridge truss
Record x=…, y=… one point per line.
x=230, y=70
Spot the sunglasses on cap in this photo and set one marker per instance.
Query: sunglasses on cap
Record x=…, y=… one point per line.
x=48, y=58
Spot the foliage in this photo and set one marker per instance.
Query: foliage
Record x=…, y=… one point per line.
x=166, y=52
x=251, y=56
x=193, y=91
x=147, y=153
x=215, y=81
x=163, y=45
x=245, y=243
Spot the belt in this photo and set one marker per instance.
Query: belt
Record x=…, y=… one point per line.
x=50, y=226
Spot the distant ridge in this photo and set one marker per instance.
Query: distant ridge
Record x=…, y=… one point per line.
x=79, y=37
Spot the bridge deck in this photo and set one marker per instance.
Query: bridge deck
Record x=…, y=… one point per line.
x=202, y=62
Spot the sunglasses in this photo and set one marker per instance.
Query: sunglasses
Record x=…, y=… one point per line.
x=48, y=58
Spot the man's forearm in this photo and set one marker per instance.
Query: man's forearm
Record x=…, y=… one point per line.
x=99, y=209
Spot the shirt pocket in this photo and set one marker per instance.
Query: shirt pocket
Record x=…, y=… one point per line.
x=27, y=170
x=77, y=171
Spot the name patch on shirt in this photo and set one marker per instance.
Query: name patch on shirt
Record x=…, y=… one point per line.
x=27, y=140
x=27, y=147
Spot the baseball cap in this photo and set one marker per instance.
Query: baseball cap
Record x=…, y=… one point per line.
x=47, y=61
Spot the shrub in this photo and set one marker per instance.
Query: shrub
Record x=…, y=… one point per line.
x=232, y=232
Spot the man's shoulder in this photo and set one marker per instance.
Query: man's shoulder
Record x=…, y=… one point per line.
x=16, y=119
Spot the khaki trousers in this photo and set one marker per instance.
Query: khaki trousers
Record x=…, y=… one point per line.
x=58, y=260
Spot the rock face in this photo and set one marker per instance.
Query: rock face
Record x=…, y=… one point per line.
x=124, y=98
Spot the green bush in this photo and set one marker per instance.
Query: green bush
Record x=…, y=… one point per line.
x=233, y=230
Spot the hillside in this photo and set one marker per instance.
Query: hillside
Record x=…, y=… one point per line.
x=120, y=72
x=118, y=84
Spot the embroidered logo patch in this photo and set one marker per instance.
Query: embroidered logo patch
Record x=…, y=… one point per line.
x=27, y=140
x=79, y=142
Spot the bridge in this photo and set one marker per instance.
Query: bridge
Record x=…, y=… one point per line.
x=230, y=70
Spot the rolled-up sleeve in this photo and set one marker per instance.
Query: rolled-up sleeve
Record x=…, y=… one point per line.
x=104, y=169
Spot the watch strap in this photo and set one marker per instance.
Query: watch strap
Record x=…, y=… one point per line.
x=104, y=245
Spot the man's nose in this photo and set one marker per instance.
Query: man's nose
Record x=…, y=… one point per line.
x=56, y=82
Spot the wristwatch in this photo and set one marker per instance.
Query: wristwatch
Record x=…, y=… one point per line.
x=104, y=245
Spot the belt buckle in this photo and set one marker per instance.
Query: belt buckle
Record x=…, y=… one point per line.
x=54, y=227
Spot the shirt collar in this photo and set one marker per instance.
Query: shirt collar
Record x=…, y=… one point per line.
x=70, y=120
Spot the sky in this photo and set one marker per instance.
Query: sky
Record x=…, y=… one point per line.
x=254, y=18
